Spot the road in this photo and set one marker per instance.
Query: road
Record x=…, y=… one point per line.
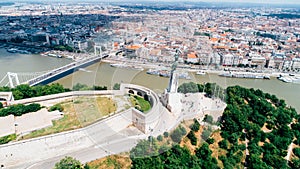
x=112, y=135
x=91, y=153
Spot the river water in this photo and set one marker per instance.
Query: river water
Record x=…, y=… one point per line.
x=14, y=62
x=104, y=74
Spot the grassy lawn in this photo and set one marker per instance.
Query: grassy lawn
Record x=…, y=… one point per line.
x=111, y=162
x=89, y=110
x=78, y=113
x=7, y=139
x=140, y=103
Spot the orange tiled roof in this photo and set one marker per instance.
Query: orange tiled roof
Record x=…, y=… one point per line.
x=233, y=49
x=133, y=47
x=220, y=47
x=192, y=55
x=214, y=39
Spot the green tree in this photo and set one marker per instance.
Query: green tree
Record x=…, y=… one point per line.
x=166, y=134
x=295, y=163
x=99, y=88
x=208, y=118
x=195, y=126
x=145, y=148
x=26, y=90
x=116, y=86
x=223, y=144
x=68, y=163
x=178, y=133
x=159, y=138
x=210, y=140
x=56, y=107
x=190, y=87
x=78, y=87
x=205, y=134
x=296, y=151
x=192, y=137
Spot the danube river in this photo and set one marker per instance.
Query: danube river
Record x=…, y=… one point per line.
x=104, y=74
x=14, y=62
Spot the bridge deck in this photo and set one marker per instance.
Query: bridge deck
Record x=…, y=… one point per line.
x=62, y=71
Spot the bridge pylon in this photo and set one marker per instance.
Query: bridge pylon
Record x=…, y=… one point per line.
x=11, y=78
x=99, y=48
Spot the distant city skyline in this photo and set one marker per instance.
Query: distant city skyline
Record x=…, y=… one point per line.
x=236, y=1
x=258, y=1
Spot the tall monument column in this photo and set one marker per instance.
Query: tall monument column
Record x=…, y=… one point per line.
x=173, y=83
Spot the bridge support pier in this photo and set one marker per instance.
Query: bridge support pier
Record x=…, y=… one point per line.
x=13, y=77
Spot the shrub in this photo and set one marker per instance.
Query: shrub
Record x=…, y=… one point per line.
x=192, y=137
x=68, y=163
x=223, y=144
x=160, y=138
x=205, y=134
x=7, y=139
x=116, y=86
x=208, y=118
x=178, y=133
x=196, y=126
x=210, y=141
x=166, y=134
x=20, y=109
x=56, y=107
x=296, y=151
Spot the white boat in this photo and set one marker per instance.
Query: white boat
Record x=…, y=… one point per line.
x=200, y=73
x=84, y=70
x=117, y=65
x=290, y=79
x=54, y=55
x=153, y=72
x=286, y=79
x=12, y=50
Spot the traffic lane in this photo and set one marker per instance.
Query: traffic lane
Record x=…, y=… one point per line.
x=90, y=153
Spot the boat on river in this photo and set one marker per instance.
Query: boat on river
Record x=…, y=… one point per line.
x=124, y=66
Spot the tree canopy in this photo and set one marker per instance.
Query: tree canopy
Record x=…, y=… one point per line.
x=262, y=120
x=68, y=163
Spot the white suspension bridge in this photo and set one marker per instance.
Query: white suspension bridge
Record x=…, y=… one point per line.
x=13, y=79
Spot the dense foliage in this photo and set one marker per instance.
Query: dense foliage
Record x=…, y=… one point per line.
x=64, y=48
x=116, y=86
x=56, y=107
x=24, y=91
x=264, y=120
x=210, y=89
x=68, y=163
x=195, y=126
x=147, y=154
x=79, y=87
x=19, y=109
x=7, y=139
x=261, y=120
x=140, y=103
x=178, y=133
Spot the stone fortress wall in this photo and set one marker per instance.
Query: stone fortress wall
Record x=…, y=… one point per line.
x=42, y=148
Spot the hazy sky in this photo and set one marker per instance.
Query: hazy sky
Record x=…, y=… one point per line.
x=258, y=1
x=245, y=1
